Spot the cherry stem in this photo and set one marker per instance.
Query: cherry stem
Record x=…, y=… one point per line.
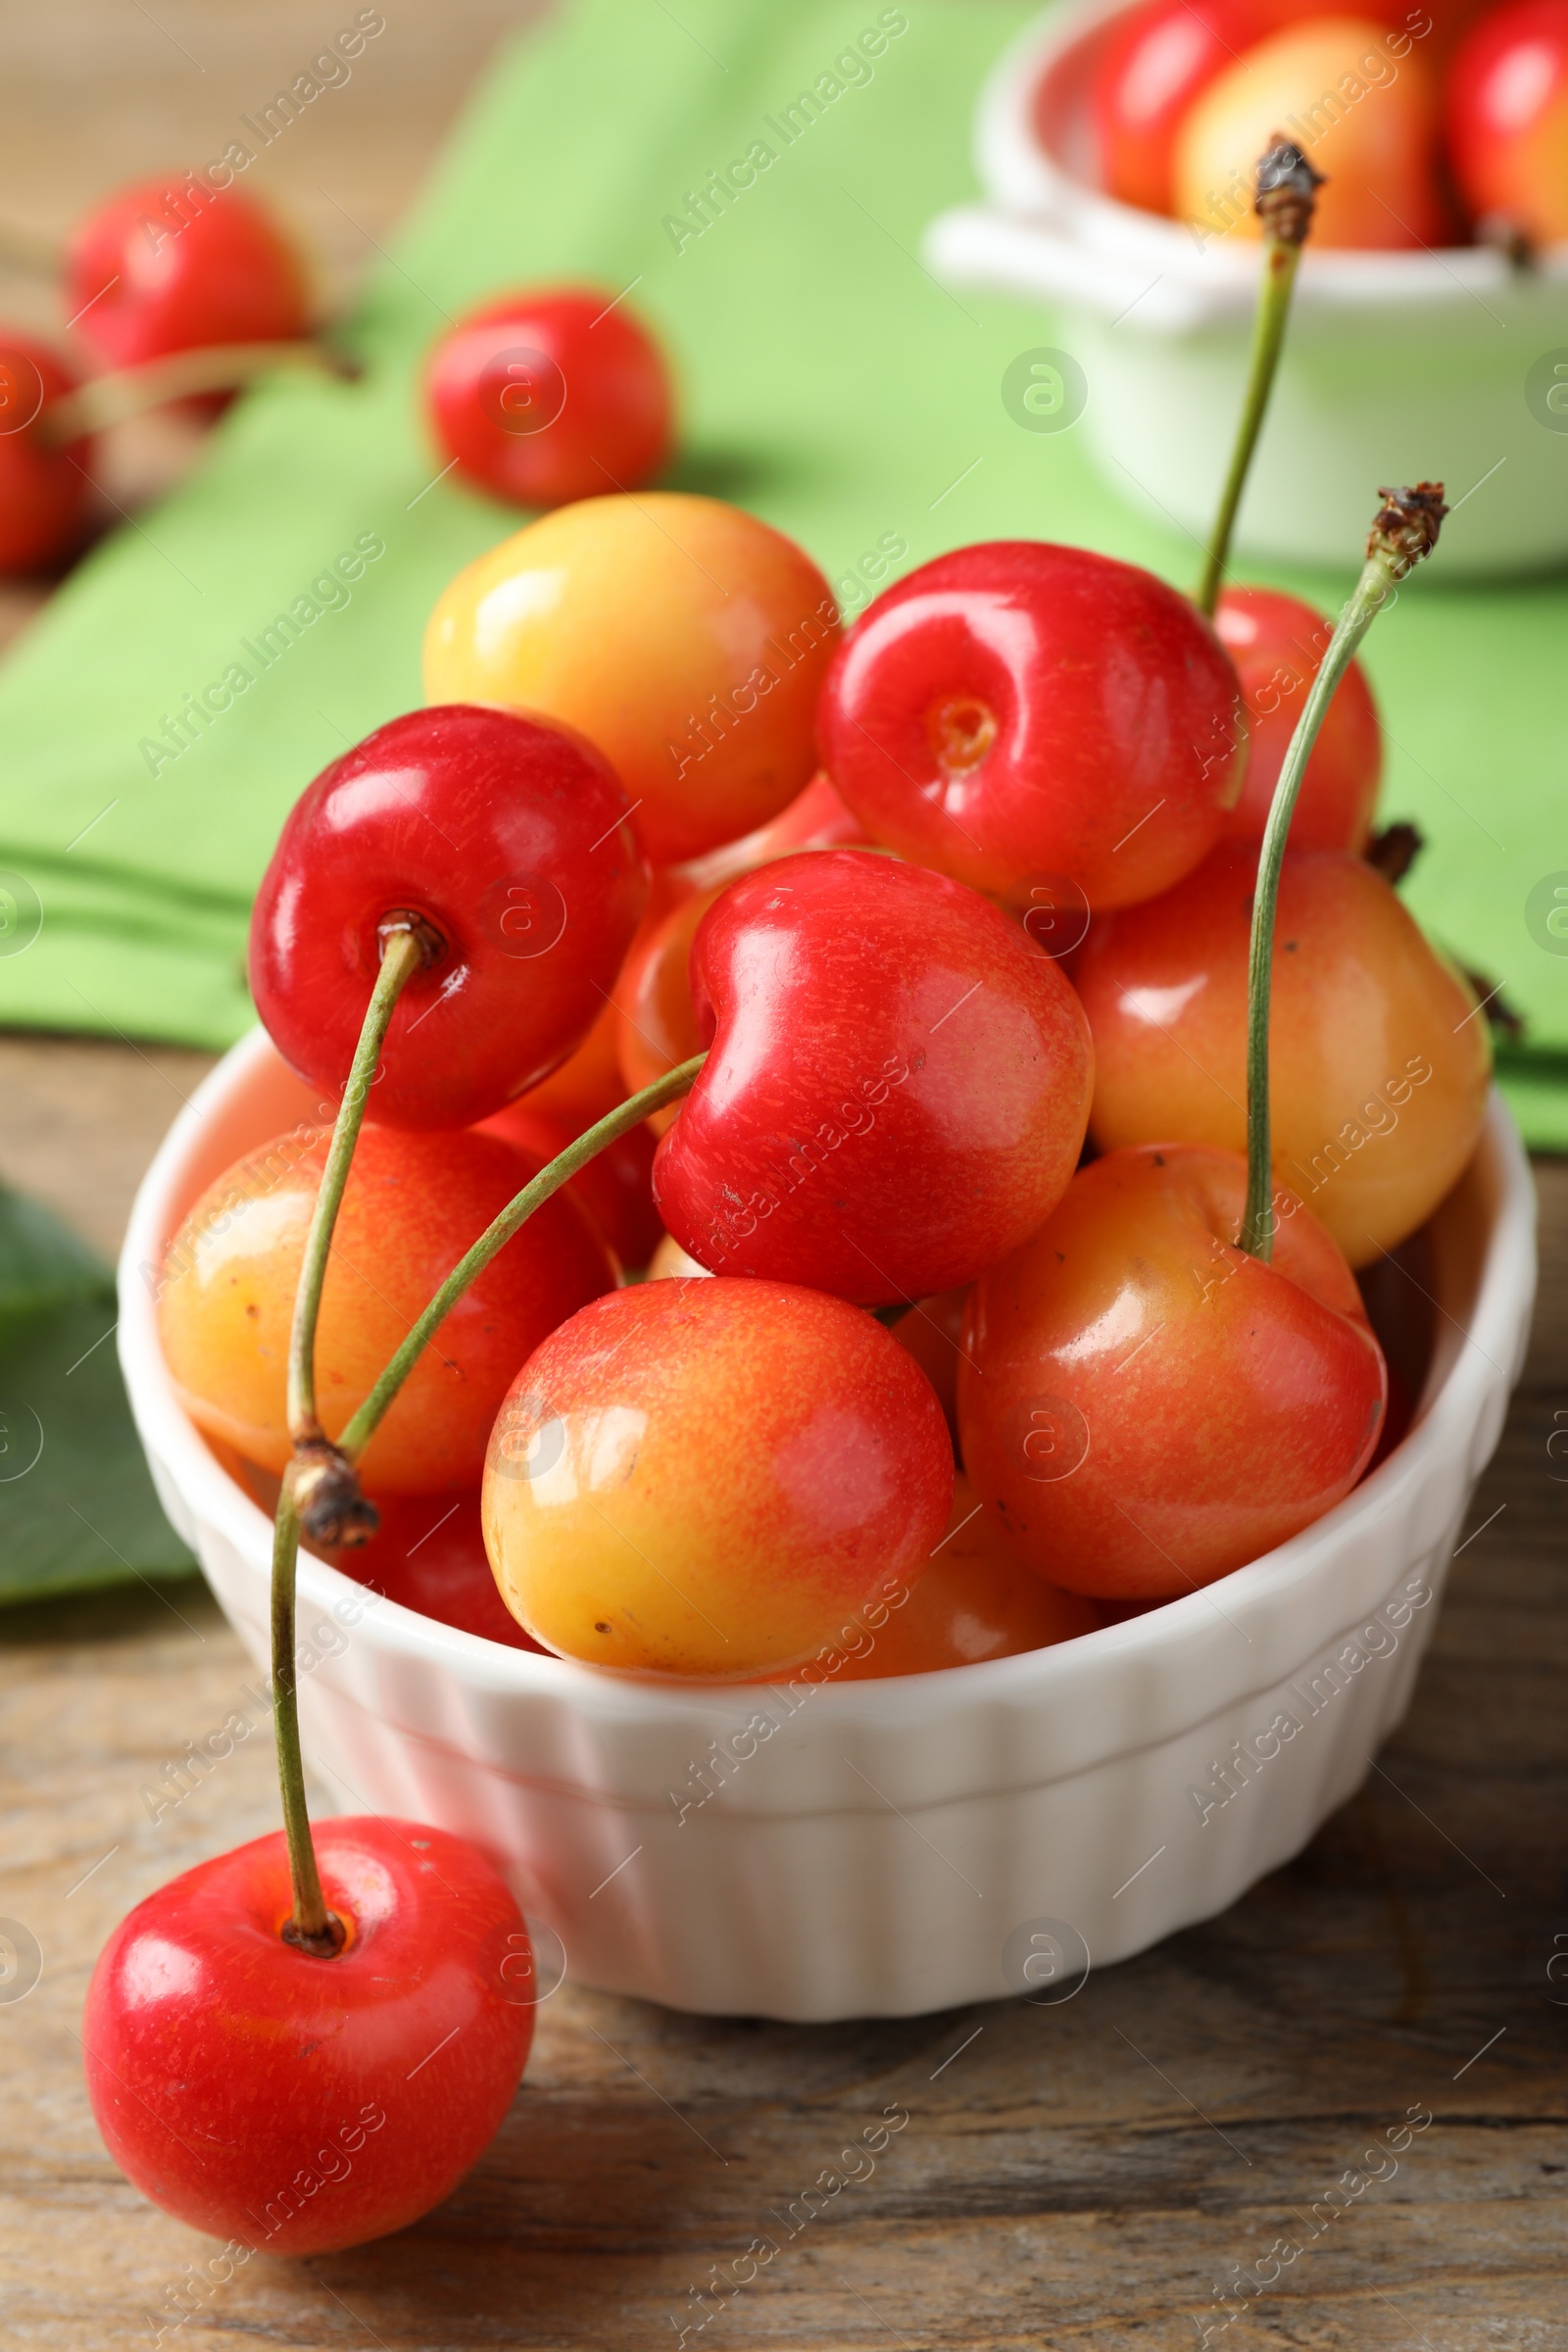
x=311, y=1924
x=402, y=953
x=1404, y=530
x=404, y=950
x=359, y=1431
x=1286, y=190
x=107, y=400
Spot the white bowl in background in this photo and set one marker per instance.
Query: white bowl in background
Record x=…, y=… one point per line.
x=885, y=1848
x=1398, y=366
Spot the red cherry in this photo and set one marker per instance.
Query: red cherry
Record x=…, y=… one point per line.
x=164, y=266
x=1277, y=643
x=296, y=2104
x=1017, y=711
x=1149, y=67
x=617, y=1186
x=1507, y=107
x=897, y=1087
x=1145, y=1406
x=552, y=395
x=428, y=1554
x=43, y=490
x=510, y=838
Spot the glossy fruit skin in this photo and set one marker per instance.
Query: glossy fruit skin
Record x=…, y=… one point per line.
x=428, y=1554
x=1151, y=66
x=656, y=1022
x=160, y=266
x=291, y=2104
x=1018, y=709
x=702, y=1478
x=685, y=638
x=1507, y=118
x=815, y=819
x=896, y=1090
x=553, y=393
x=933, y=1333
x=412, y=1207
x=1379, y=153
x=1144, y=1406
x=974, y=1600
x=1277, y=643
x=1379, y=1062
x=656, y=1026
x=43, y=491
x=511, y=838
x=615, y=1190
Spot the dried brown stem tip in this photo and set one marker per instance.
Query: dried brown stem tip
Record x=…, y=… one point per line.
x=322, y=1943
x=1286, y=192
x=326, y=1495
x=1405, y=526
x=1392, y=852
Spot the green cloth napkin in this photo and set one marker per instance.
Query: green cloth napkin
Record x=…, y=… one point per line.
x=830, y=384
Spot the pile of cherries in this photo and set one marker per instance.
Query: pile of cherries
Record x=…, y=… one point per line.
x=1436, y=124
x=185, y=290
x=829, y=1162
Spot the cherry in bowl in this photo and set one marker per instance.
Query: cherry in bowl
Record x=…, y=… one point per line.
x=508, y=841
x=1019, y=710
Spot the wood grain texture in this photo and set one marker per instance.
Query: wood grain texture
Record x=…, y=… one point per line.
x=1083, y=2175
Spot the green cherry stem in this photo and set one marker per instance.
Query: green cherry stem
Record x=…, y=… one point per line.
x=358, y=1432
x=402, y=952
x=1404, y=530
x=315, y=1476
x=108, y=400
x=1287, y=191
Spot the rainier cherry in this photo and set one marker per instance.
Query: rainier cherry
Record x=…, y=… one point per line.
x=162, y=267
x=615, y=1188
x=974, y=1600
x=1277, y=643
x=683, y=637
x=507, y=841
x=1380, y=1060
x=550, y=395
x=1507, y=119
x=428, y=1554
x=897, y=1085
x=815, y=819
x=1018, y=709
x=412, y=1205
x=43, y=488
x=702, y=1478
x=1374, y=137
x=1144, y=1405
x=294, y=2103
x=1150, y=65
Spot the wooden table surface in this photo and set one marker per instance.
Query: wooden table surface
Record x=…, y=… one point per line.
x=1082, y=2175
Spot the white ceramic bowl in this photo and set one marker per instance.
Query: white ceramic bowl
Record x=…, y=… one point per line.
x=877, y=1848
x=1398, y=366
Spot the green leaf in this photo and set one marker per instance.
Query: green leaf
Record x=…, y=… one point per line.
x=76, y=1503
x=42, y=1263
